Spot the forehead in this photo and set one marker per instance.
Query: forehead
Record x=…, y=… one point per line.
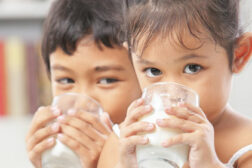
x=171, y=47
x=88, y=55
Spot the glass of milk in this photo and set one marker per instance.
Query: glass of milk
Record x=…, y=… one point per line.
x=61, y=156
x=162, y=96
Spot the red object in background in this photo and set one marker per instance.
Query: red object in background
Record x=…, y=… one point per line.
x=3, y=101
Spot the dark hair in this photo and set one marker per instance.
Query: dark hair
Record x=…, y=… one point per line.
x=146, y=18
x=71, y=20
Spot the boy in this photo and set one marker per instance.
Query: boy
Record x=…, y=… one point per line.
x=83, y=54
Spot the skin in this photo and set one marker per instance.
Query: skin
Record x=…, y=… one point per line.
x=214, y=131
x=106, y=75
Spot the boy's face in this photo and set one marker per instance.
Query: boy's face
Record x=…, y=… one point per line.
x=107, y=75
x=205, y=70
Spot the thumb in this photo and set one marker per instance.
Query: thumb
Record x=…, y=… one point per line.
x=106, y=119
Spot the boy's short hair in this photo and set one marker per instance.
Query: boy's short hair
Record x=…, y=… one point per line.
x=71, y=20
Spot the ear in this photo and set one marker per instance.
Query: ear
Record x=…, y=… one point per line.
x=242, y=52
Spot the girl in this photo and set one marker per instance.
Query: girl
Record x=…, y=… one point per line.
x=198, y=44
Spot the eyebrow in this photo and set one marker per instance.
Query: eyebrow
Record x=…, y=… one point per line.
x=143, y=61
x=60, y=68
x=108, y=68
x=190, y=56
x=185, y=57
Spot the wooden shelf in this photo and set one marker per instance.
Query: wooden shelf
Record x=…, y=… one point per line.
x=24, y=10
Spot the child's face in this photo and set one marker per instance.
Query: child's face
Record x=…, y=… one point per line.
x=206, y=70
x=107, y=75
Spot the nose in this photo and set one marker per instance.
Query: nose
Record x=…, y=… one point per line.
x=173, y=79
x=85, y=89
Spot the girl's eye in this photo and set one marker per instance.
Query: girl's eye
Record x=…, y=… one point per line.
x=152, y=72
x=65, y=81
x=106, y=81
x=192, y=68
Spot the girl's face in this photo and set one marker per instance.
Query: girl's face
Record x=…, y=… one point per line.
x=205, y=70
x=107, y=75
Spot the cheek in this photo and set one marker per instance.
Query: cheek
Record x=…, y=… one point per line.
x=214, y=96
x=55, y=90
x=116, y=102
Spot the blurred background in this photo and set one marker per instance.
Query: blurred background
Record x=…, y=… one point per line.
x=24, y=85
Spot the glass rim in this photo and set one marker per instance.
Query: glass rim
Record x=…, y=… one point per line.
x=145, y=90
x=76, y=94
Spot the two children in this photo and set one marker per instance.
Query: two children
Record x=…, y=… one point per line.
x=198, y=44
x=83, y=54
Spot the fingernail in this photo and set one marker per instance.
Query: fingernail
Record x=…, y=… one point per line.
x=145, y=140
x=55, y=127
x=61, y=118
x=139, y=101
x=71, y=112
x=147, y=107
x=160, y=121
x=50, y=140
x=149, y=126
x=56, y=111
x=60, y=136
x=181, y=104
x=168, y=110
x=165, y=144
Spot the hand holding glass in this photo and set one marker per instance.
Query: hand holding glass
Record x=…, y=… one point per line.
x=162, y=96
x=61, y=156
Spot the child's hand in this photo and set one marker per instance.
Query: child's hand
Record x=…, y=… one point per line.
x=198, y=134
x=129, y=130
x=85, y=133
x=39, y=137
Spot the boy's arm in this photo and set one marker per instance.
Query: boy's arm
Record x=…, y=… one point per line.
x=109, y=154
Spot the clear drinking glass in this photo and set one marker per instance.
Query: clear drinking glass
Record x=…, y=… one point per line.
x=61, y=156
x=162, y=96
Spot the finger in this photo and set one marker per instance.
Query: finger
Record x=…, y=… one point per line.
x=137, y=113
x=177, y=123
x=137, y=127
x=94, y=120
x=81, y=137
x=106, y=119
x=194, y=109
x=42, y=134
x=185, y=138
x=36, y=152
x=184, y=113
x=72, y=143
x=129, y=144
x=88, y=157
x=42, y=117
x=135, y=104
x=82, y=126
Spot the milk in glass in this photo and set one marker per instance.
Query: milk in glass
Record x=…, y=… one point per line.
x=153, y=155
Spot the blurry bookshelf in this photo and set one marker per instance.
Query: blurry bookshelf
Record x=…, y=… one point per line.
x=24, y=85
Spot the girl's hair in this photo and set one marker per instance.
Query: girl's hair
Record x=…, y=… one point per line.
x=145, y=19
x=71, y=20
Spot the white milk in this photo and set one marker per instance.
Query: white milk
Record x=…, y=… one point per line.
x=153, y=154
x=60, y=156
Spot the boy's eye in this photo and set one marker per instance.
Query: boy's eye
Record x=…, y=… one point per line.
x=192, y=68
x=152, y=72
x=106, y=81
x=65, y=81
